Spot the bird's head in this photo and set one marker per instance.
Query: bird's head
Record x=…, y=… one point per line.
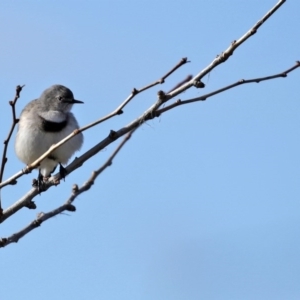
x=58, y=97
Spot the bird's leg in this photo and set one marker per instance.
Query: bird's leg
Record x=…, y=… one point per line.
x=62, y=171
x=39, y=182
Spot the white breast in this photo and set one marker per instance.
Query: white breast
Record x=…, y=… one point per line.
x=53, y=116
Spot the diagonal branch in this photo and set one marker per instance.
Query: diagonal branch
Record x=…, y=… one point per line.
x=67, y=206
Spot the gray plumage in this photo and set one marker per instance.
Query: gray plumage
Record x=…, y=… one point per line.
x=44, y=122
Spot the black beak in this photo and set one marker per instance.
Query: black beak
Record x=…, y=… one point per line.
x=76, y=101
x=70, y=100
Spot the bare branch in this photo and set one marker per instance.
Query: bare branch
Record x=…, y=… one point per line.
x=67, y=206
x=152, y=112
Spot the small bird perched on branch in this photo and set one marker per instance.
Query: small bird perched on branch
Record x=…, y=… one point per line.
x=44, y=122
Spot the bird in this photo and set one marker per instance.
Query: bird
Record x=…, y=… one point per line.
x=46, y=121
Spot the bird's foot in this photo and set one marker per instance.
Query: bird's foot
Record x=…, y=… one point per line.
x=39, y=183
x=62, y=172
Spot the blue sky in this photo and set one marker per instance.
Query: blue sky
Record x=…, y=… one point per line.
x=203, y=202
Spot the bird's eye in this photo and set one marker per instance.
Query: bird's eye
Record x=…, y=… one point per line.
x=60, y=98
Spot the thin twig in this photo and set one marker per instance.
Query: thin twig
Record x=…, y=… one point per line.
x=187, y=79
x=163, y=78
x=67, y=206
x=13, y=125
